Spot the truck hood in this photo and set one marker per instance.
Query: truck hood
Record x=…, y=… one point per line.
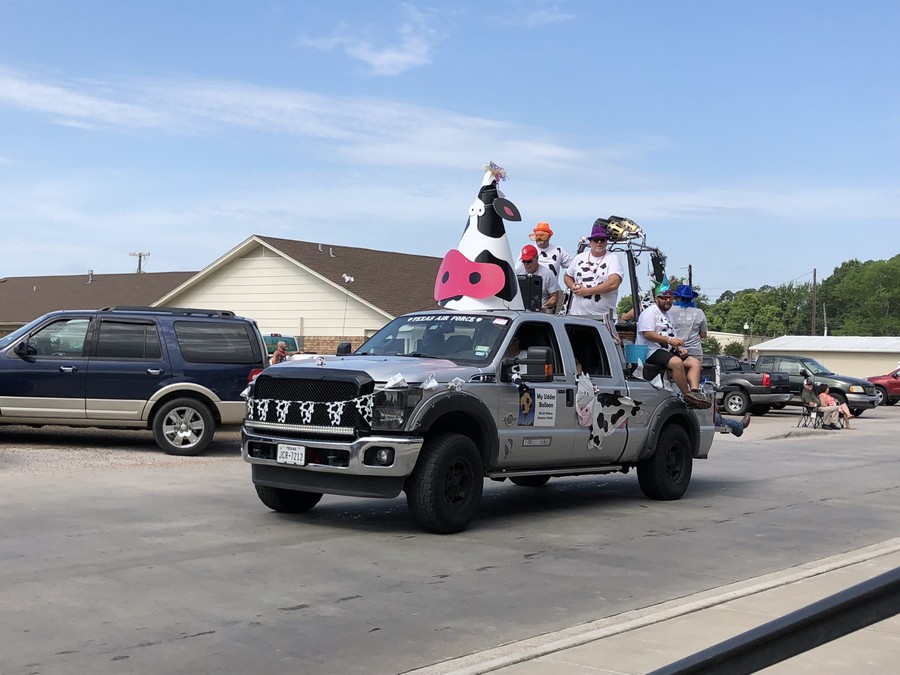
x=379, y=368
x=846, y=379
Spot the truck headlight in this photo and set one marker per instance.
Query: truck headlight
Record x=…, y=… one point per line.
x=856, y=389
x=391, y=408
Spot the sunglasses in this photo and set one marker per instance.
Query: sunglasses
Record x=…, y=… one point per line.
x=599, y=239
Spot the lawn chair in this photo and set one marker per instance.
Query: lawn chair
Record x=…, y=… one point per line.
x=810, y=417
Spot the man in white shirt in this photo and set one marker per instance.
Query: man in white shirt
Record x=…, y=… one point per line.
x=552, y=257
x=664, y=350
x=594, y=277
x=528, y=264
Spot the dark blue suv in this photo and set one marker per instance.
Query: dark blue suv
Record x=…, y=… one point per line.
x=179, y=372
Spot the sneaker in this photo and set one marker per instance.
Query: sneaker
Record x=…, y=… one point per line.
x=745, y=421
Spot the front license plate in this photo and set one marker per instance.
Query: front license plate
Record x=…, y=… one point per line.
x=291, y=454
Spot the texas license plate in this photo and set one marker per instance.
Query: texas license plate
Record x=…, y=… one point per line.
x=291, y=454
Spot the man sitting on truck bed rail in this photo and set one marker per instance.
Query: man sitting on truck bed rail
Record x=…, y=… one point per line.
x=666, y=351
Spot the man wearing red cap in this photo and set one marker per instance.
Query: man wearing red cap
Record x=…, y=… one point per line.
x=528, y=264
x=553, y=258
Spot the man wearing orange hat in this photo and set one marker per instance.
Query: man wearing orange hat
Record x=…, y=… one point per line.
x=528, y=264
x=553, y=258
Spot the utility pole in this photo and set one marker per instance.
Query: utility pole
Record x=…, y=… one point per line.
x=812, y=328
x=690, y=276
x=140, y=256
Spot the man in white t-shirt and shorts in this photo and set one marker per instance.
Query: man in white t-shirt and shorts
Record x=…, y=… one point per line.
x=664, y=350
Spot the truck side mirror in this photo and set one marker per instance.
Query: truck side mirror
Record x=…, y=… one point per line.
x=537, y=366
x=24, y=350
x=343, y=349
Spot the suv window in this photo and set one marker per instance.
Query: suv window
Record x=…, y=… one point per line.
x=119, y=340
x=209, y=342
x=63, y=338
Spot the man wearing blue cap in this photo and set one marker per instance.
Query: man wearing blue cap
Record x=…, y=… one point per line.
x=689, y=320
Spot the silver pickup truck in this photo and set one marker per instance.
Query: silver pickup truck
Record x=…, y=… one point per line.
x=436, y=402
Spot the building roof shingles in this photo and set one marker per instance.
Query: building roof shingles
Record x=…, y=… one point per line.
x=25, y=298
x=396, y=282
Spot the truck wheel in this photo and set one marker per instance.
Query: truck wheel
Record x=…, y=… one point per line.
x=759, y=409
x=183, y=426
x=856, y=412
x=444, y=491
x=530, y=481
x=736, y=402
x=287, y=501
x=881, y=393
x=667, y=473
x=779, y=406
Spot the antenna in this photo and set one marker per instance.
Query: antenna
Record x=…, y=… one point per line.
x=140, y=256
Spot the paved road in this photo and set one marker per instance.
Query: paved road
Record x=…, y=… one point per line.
x=117, y=558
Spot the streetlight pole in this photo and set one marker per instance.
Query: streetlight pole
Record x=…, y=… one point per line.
x=748, y=325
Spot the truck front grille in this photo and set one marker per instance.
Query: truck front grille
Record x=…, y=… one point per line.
x=328, y=403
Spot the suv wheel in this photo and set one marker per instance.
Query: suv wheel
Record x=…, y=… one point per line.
x=667, y=473
x=183, y=426
x=881, y=393
x=444, y=491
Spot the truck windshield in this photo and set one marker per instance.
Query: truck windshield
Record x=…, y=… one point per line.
x=815, y=367
x=468, y=338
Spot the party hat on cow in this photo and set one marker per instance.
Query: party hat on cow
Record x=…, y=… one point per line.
x=480, y=272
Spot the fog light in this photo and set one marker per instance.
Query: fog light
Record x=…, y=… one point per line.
x=384, y=456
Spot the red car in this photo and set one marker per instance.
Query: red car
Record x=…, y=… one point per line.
x=887, y=387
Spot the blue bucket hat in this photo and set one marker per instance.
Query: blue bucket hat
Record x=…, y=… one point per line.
x=685, y=292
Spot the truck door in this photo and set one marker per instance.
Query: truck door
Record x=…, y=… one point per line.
x=536, y=424
x=611, y=431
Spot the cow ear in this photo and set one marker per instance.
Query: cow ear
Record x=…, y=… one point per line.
x=506, y=209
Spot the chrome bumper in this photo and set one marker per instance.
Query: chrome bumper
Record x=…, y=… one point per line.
x=406, y=452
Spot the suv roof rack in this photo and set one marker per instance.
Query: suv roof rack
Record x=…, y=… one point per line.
x=172, y=311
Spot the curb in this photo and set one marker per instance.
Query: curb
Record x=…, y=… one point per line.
x=548, y=643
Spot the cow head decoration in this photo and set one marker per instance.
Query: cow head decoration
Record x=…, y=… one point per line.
x=480, y=273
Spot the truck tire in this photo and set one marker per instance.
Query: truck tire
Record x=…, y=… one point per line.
x=444, y=491
x=287, y=501
x=667, y=473
x=530, y=481
x=736, y=402
x=760, y=409
x=183, y=426
x=881, y=393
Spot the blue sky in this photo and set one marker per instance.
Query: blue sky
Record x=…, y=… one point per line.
x=754, y=141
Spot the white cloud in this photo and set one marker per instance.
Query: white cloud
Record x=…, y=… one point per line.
x=19, y=91
x=414, y=49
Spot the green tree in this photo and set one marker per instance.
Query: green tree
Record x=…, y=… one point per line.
x=710, y=345
x=735, y=349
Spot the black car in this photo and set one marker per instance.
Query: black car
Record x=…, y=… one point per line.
x=177, y=371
